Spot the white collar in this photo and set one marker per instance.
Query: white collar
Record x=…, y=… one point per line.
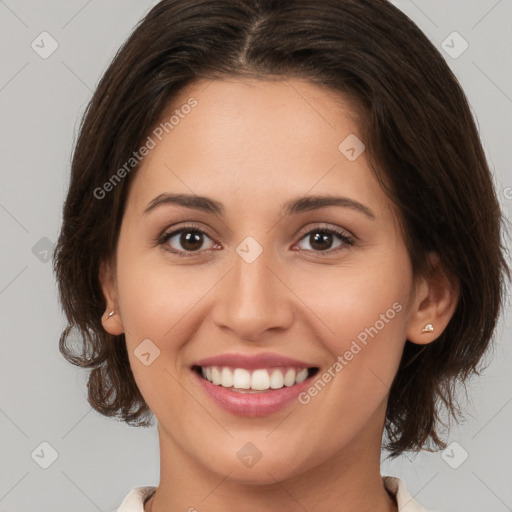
x=134, y=501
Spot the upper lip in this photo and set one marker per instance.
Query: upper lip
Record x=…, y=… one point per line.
x=251, y=362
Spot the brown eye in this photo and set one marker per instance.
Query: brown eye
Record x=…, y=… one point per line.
x=322, y=239
x=185, y=240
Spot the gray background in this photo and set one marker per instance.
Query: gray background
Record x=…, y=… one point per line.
x=43, y=398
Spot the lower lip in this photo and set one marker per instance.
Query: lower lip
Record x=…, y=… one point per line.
x=252, y=404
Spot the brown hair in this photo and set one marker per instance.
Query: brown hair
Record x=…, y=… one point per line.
x=420, y=138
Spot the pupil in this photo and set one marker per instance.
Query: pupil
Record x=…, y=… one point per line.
x=189, y=238
x=319, y=238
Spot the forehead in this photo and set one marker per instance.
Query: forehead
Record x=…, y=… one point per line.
x=258, y=142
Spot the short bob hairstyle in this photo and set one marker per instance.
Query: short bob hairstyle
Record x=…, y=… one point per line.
x=421, y=142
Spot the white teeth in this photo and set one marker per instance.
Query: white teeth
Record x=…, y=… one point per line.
x=241, y=378
x=216, y=379
x=276, y=380
x=257, y=380
x=302, y=375
x=226, y=378
x=289, y=378
x=260, y=380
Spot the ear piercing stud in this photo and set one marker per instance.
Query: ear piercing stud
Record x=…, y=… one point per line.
x=110, y=314
x=427, y=328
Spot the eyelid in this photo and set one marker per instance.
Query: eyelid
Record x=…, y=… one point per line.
x=326, y=226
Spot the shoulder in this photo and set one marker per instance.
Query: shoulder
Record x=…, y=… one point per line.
x=405, y=502
x=134, y=501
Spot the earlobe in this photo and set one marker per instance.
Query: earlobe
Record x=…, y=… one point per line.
x=436, y=300
x=111, y=319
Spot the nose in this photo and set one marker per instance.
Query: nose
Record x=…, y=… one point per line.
x=253, y=300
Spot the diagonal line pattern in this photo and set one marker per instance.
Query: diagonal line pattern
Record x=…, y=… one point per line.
x=279, y=424
x=492, y=81
x=13, y=77
x=5, y=495
x=508, y=507
x=194, y=305
x=13, y=13
x=299, y=94
x=416, y=494
x=501, y=409
x=301, y=300
x=288, y=492
x=85, y=494
x=76, y=76
x=311, y=188
x=199, y=403
x=486, y=14
x=13, y=218
x=88, y=412
x=14, y=423
x=169, y=168
x=217, y=486
x=13, y=279
x=377, y=377
x=424, y=13
x=76, y=14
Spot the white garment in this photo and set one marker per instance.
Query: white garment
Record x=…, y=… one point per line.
x=134, y=501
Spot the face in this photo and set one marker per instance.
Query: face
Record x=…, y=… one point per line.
x=267, y=286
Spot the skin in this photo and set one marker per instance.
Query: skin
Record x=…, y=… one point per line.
x=253, y=145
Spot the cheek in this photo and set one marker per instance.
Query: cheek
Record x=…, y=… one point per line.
x=154, y=300
x=363, y=311
x=350, y=298
x=154, y=296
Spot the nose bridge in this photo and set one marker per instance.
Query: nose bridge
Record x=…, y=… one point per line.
x=252, y=299
x=251, y=275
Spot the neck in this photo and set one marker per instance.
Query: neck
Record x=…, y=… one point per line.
x=347, y=480
x=369, y=497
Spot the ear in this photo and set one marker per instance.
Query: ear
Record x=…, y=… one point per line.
x=113, y=324
x=435, y=302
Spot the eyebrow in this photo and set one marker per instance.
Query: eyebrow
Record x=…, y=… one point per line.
x=293, y=207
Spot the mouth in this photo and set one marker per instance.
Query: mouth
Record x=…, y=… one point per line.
x=254, y=385
x=255, y=380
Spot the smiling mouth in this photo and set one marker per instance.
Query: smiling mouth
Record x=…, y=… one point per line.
x=243, y=380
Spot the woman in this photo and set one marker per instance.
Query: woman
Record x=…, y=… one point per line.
x=265, y=246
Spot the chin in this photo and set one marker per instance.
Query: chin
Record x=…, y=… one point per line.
x=250, y=466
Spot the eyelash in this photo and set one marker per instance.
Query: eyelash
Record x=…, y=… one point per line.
x=347, y=240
